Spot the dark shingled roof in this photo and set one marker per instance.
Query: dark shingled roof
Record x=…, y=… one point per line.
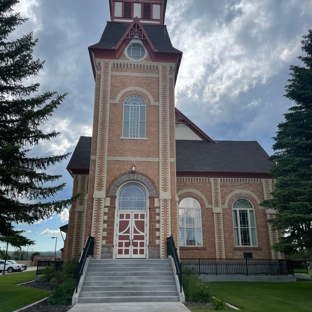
x=158, y=35
x=81, y=155
x=223, y=156
x=111, y=35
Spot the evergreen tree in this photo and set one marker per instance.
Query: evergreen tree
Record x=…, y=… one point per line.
x=25, y=187
x=292, y=197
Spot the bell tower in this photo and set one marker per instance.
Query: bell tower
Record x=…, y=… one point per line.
x=130, y=204
x=147, y=11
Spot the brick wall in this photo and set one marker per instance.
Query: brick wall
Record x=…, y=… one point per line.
x=216, y=197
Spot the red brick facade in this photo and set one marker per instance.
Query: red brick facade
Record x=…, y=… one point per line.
x=154, y=157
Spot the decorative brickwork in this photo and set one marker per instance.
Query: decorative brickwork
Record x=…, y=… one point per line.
x=113, y=152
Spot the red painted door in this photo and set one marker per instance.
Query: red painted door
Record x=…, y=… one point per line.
x=131, y=235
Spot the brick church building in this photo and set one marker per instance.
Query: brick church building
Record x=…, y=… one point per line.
x=148, y=172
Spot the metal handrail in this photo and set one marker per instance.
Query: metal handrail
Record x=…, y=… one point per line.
x=172, y=251
x=87, y=251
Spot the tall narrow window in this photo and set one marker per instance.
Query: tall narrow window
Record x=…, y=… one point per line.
x=127, y=9
x=190, y=222
x=134, y=117
x=146, y=10
x=244, y=223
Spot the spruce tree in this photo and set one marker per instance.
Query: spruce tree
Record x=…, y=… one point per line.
x=26, y=188
x=292, y=197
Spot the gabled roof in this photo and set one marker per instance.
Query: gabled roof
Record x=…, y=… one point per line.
x=198, y=158
x=158, y=35
x=80, y=161
x=181, y=118
x=230, y=157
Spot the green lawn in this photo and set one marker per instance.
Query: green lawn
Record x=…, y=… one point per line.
x=266, y=297
x=13, y=297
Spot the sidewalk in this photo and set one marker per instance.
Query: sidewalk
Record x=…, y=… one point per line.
x=130, y=307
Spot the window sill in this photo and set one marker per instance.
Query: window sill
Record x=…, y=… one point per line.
x=124, y=138
x=192, y=247
x=247, y=248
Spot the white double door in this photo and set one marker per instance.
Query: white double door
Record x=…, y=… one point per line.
x=131, y=234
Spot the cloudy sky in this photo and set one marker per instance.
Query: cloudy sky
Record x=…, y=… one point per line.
x=236, y=57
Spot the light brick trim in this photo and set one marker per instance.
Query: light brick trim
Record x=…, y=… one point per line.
x=193, y=179
x=135, y=65
x=164, y=155
x=134, y=159
x=242, y=193
x=197, y=193
x=216, y=194
x=97, y=225
x=135, y=74
x=133, y=89
x=132, y=177
x=240, y=180
x=219, y=235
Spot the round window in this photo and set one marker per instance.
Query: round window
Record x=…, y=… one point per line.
x=136, y=51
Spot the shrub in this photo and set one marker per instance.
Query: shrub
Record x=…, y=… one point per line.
x=194, y=288
x=63, y=281
x=62, y=293
x=218, y=304
x=49, y=272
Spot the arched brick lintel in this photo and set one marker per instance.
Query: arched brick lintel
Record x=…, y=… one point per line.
x=133, y=177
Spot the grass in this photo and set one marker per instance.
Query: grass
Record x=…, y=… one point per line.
x=259, y=297
x=13, y=297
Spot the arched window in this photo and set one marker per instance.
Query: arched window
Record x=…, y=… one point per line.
x=244, y=223
x=134, y=117
x=132, y=197
x=190, y=222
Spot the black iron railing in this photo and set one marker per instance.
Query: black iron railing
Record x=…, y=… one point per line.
x=300, y=266
x=244, y=266
x=87, y=251
x=42, y=264
x=172, y=251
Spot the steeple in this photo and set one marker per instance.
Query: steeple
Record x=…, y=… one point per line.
x=147, y=11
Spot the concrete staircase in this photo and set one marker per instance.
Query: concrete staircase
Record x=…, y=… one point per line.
x=142, y=280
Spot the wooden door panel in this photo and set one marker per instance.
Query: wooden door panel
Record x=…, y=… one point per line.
x=131, y=236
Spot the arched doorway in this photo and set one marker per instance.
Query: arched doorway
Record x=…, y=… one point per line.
x=131, y=226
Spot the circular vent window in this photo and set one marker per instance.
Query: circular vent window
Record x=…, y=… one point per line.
x=136, y=51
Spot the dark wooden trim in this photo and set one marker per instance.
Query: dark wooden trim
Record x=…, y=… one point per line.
x=78, y=171
x=223, y=174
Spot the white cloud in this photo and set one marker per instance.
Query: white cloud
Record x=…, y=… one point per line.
x=39, y=221
x=49, y=232
x=29, y=231
x=64, y=215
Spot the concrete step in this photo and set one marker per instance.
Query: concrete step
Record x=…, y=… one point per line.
x=128, y=288
x=130, y=261
x=129, y=299
x=129, y=267
x=119, y=293
x=150, y=273
x=126, y=278
x=130, y=283
x=129, y=280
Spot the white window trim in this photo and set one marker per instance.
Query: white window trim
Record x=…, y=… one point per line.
x=248, y=209
x=196, y=228
x=135, y=41
x=123, y=121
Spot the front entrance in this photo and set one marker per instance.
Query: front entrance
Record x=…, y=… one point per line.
x=131, y=225
x=131, y=235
